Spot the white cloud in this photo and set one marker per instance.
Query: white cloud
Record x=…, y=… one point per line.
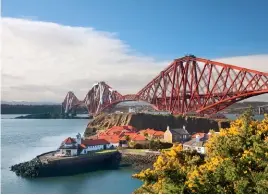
x=41, y=61
x=254, y=62
x=56, y=59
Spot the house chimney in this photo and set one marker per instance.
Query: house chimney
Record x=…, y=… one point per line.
x=78, y=138
x=197, y=138
x=209, y=135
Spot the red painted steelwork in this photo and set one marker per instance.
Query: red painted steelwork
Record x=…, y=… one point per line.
x=187, y=85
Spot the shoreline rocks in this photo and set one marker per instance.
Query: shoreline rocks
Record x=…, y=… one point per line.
x=27, y=169
x=36, y=168
x=139, y=162
x=67, y=166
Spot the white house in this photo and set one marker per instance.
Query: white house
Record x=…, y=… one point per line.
x=69, y=147
x=95, y=144
x=73, y=147
x=197, y=143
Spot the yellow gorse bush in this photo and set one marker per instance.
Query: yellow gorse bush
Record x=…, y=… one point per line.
x=236, y=162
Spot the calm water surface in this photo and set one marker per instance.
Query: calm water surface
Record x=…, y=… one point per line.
x=23, y=139
x=234, y=116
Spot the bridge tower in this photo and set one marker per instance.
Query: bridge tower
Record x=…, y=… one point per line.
x=188, y=85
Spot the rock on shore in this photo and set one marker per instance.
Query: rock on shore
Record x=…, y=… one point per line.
x=139, y=162
x=67, y=166
x=28, y=169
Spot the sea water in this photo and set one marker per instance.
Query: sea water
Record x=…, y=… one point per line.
x=23, y=139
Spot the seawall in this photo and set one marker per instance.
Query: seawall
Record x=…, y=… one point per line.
x=158, y=122
x=49, y=167
x=139, y=161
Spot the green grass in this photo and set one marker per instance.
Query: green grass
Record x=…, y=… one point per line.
x=136, y=150
x=105, y=151
x=167, y=149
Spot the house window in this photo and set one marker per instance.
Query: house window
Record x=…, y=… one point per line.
x=68, y=152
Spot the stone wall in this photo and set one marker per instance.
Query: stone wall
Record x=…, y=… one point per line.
x=138, y=161
x=67, y=166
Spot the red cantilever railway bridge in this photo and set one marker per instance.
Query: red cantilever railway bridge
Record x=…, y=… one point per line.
x=188, y=85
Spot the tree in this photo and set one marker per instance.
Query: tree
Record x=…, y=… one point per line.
x=127, y=138
x=146, y=135
x=169, y=172
x=236, y=162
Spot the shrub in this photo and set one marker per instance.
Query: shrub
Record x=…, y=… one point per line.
x=236, y=162
x=138, y=146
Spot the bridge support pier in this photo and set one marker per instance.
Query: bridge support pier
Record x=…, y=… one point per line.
x=187, y=84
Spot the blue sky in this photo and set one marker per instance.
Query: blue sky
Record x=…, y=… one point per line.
x=162, y=29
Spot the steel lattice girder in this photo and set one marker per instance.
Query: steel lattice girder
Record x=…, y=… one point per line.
x=188, y=84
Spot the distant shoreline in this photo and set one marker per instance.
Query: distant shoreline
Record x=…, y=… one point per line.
x=50, y=116
x=34, y=108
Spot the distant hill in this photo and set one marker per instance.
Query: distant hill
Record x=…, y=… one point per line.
x=240, y=107
x=28, y=103
x=29, y=109
x=24, y=107
x=247, y=104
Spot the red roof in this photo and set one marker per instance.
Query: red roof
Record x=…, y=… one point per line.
x=138, y=138
x=82, y=146
x=94, y=142
x=116, y=130
x=112, y=139
x=117, y=133
x=152, y=132
x=200, y=135
x=123, y=138
x=69, y=140
x=159, y=133
x=129, y=134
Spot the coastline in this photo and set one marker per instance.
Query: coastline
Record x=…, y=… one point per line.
x=45, y=166
x=51, y=116
x=138, y=161
x=33, y=137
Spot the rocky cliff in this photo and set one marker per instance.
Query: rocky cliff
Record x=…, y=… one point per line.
x=158, y=122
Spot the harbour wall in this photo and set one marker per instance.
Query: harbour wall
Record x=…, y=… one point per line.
x=49, y=167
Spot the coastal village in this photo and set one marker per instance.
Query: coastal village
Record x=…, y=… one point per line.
x=152, y=117
x=123, y=137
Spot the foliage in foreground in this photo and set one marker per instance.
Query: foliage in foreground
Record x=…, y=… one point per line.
x=236, y=162
x=152, y=145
